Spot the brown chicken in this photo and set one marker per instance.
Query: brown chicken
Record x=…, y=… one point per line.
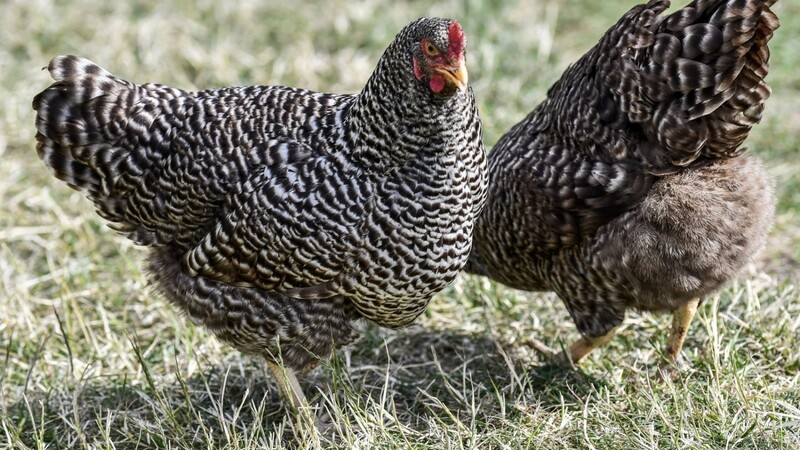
x=627, y=187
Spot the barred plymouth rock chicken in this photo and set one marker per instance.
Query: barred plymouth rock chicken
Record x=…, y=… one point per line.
x=275, y=216
x=627, y=187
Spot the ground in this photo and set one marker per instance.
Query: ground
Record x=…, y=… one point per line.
x=91, y=359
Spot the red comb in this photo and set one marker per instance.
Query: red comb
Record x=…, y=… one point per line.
x=456, y=35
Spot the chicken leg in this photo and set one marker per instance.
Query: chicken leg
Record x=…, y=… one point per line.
x=291, y=392
x=577, y=351
x=681, y=318
x=288, y=386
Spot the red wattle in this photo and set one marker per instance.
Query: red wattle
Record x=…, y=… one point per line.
x=437, y=84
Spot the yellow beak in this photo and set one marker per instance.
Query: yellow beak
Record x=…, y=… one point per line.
x=456, y=75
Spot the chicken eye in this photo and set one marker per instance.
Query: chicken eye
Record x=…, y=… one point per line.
x=429, y=49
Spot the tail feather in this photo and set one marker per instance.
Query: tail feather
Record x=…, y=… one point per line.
x=83, y=121
x=693, y=82
x=702, y=81
x=75, y=123
x=81, y=106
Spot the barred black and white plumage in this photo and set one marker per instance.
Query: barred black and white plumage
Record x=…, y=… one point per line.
x=626, y=187
x=280, y=215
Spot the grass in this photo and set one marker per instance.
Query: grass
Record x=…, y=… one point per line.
x=91, y=359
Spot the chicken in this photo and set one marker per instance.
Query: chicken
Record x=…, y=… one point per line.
x=277, y=217
x=627, y=186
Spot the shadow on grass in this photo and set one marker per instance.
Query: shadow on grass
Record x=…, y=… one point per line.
x=450, y=376
x=199, y=411
x=419, y=375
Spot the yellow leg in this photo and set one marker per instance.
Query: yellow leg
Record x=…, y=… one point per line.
x=291, y=392
x=288, y=386
x=681, y=318
x=577, y=351
x=585, y=345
